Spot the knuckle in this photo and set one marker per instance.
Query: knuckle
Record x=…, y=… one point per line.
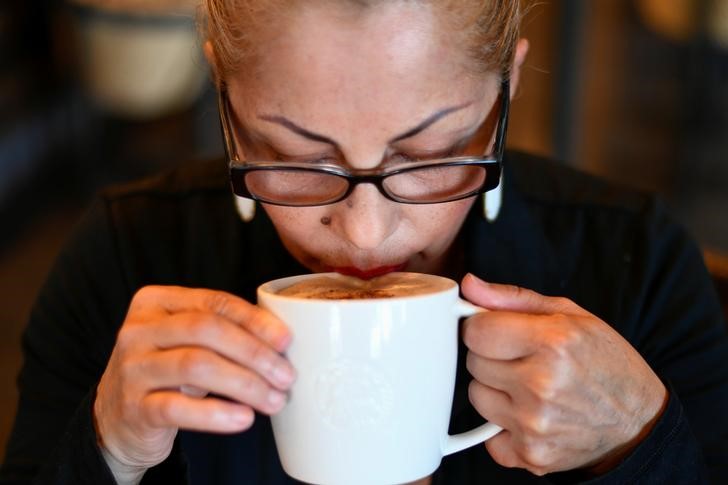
x=509, y=461
x=544, y=388
x=217, y=302
x=471, y=363
x=168, y=410
x=564, y=337
x=247, y=385
x=538, y=471
x=472, y=387
x=562, y=302
x=474, y=391
x=205, y=328
x=126, y=337
x=521, y=293
x=258, y=353
x=130, y=333
x=537, y=425
x=472, y=332
x=535, y=454
x=503, y=454
x=134, y=332
x=145, y=294
x=194, y=365
x=257, y=321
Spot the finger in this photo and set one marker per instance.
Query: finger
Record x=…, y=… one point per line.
x=227, y=339
x=208, y=371
x=521, y=380
x=503, y=335
x=170, y=409
x=514, y=298
x=502, y=375
x=500, y=448
x=494, y=405
x=537, y=457
x=175, y=299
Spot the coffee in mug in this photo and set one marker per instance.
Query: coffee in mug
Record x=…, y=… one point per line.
x=340, y=287
x=376, y=363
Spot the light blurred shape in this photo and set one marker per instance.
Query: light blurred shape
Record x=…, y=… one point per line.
x=717, y=22
x=139, y=65
x=675, y=19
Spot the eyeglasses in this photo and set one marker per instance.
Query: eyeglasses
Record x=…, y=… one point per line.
x=307, y=184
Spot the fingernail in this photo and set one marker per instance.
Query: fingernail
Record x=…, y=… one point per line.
x=284, y=340
x=276, y=399
x=477, y=280
x=283, y=376
x=240, y=417
x=278, y=336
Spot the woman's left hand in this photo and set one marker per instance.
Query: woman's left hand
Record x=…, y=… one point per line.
x=568, y=390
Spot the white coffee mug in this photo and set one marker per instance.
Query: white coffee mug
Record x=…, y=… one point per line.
x=372, y=401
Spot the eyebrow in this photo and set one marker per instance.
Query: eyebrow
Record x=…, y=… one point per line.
x=290, y=125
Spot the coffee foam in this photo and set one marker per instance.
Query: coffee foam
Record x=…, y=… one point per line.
x=340, y=287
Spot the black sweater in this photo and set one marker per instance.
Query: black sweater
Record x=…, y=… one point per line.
x=613, y=252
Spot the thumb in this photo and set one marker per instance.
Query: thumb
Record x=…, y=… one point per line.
x=493, y=296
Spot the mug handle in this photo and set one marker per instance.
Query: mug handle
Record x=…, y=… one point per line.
x=484, y=432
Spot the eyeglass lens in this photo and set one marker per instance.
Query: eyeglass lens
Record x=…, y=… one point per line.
x=424, y=184
x=435, y=183
x=296, y=187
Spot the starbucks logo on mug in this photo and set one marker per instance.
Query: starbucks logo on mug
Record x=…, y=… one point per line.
x=352, y=395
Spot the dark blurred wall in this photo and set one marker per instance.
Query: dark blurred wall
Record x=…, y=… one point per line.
x=44, y=124
x=27, y=85
x=637, y=92
x=58, y=142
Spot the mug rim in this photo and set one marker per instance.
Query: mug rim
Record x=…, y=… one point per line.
x=266, y=289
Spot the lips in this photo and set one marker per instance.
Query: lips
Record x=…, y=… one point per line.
x=367, y=274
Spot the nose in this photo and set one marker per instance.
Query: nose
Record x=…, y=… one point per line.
x=367, y=218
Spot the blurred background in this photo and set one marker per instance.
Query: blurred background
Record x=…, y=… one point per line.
x=94, y=92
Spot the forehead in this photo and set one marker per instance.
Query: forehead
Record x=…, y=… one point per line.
x=391, y=56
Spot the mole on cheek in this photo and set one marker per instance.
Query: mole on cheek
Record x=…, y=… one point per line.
x=326, y=220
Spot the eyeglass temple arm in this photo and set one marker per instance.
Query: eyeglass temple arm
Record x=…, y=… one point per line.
x=500, y=138
x=222, y=106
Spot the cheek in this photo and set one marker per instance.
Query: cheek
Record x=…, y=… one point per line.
x=440, y=222
x=296, y=225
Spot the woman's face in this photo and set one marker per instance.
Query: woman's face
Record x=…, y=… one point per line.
x=362, y=80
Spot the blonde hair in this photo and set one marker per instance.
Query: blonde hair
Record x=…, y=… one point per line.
x=489, y=29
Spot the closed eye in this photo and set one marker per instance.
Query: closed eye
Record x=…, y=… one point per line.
x=308, y=159
x=407, y=157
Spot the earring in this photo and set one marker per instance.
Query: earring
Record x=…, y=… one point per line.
x=492, y=201
x=245, y=207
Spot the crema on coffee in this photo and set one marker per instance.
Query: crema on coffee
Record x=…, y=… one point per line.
x=340, y=287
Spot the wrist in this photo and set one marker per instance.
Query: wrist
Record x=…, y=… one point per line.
x=619, y=454
x=123, y=474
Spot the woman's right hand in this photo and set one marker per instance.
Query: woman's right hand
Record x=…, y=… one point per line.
x=202, y=341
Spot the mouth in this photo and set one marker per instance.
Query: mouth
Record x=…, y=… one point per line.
x=367, y=274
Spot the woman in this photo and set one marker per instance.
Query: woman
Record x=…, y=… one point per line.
x=619, y=375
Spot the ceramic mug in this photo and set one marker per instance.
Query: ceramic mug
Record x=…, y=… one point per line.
x=372, y=401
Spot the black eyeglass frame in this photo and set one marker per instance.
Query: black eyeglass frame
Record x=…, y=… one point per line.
x=492, y=163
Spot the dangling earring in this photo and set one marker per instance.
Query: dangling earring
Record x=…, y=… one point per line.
x=492, y=201
x=245, y=207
